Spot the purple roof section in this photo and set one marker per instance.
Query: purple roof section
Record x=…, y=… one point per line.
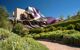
x=51, y=20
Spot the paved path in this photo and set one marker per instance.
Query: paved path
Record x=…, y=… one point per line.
x=57, y=46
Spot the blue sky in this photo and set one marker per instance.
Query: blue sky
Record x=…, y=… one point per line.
x=52, y=8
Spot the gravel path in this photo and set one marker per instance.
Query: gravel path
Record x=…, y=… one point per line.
x=57, y=46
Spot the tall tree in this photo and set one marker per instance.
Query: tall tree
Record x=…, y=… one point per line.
x=62, y=17
x=78, y=13
x=3, y=13
x=68, y=17
x=4, y=23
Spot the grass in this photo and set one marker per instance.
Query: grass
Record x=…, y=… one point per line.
x=12, y=41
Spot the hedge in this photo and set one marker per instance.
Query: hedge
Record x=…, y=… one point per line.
x=66, y=36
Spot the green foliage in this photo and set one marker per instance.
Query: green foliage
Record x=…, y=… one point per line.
x=20, y=30
x=78, y=13
x=34, y=44
x=36, y=30
x=49, y=28
x=4, y=23
x=72, y=39
x=76, y=17
x=37, y=36
x=77, y=26
x=14, y=43
x=11, y=41
x=71, y=26
x=4, y=34
x=61, y=28
x=44, y=35
x=65, y=36
x=66, y=25
x=48, y=35
x=3, y=13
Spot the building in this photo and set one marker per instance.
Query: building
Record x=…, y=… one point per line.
x=17, y=13
x=32, y=17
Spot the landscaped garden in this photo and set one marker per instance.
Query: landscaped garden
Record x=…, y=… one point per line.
x=66, y=32
x=16, y=37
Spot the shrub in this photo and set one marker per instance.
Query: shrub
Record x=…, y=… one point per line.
x=61, y=28
x=20, y=30
x=71, y=26
x=36, y=30
x=77, y=26
x=11, y=41
x=44, y=35
x=49, y=35
x=14, y=43
x=4, y=34
x=65, y=36
x=37, y=36
x=73, y=39
x=4, y=23
x=56, y=35
x=67, y=24
x=49, y=28
x=34, y=44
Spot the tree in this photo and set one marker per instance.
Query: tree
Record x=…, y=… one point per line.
x=68, y=17
x=62, y=18
x=3, y=13
x=78, y=13
x=4, y=22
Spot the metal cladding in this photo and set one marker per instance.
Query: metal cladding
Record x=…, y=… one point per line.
x=32, y=17
x=35, y=13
